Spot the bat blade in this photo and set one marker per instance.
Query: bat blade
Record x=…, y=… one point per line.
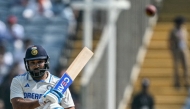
x=79, y=62
x=73, y=70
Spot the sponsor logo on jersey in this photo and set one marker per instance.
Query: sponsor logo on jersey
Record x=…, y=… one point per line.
x=27, y=85
x=32, y=95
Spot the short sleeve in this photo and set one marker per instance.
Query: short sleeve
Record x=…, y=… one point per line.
x=16, y=89
x=67, y=101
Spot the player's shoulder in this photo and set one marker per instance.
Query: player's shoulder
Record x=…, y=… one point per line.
x=21, y=76
x=54, y=78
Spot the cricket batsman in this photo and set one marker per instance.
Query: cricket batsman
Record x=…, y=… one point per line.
x=33, y=89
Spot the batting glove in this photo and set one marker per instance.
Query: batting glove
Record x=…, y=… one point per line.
x=55, y=106
x=52, y=96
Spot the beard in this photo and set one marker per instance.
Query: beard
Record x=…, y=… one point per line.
x=37, y=70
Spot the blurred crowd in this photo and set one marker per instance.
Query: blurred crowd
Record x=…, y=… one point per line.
x=13, y=40
x=11, y=43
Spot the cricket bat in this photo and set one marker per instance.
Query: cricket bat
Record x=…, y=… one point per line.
x=72, y=71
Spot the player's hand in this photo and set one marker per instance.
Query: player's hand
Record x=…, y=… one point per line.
x=52, y=96
x=55, y=106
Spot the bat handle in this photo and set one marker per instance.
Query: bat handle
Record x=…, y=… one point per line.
x=47, y=105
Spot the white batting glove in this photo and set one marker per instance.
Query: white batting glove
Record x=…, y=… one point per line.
x=55, y=106
x=52, y=96
x=41, y=102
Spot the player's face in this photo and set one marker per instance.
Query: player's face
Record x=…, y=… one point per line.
x=36, y=65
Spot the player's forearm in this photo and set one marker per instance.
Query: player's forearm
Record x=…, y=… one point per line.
x=23, y=104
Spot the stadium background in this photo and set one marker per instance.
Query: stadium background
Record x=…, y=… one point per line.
x=134, y=31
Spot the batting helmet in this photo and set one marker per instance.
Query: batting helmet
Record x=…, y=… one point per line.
x=36, y=52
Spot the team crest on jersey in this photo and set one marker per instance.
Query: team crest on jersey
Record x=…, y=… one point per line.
x=34, y=51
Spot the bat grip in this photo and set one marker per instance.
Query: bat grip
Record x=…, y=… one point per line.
x=47, y=105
